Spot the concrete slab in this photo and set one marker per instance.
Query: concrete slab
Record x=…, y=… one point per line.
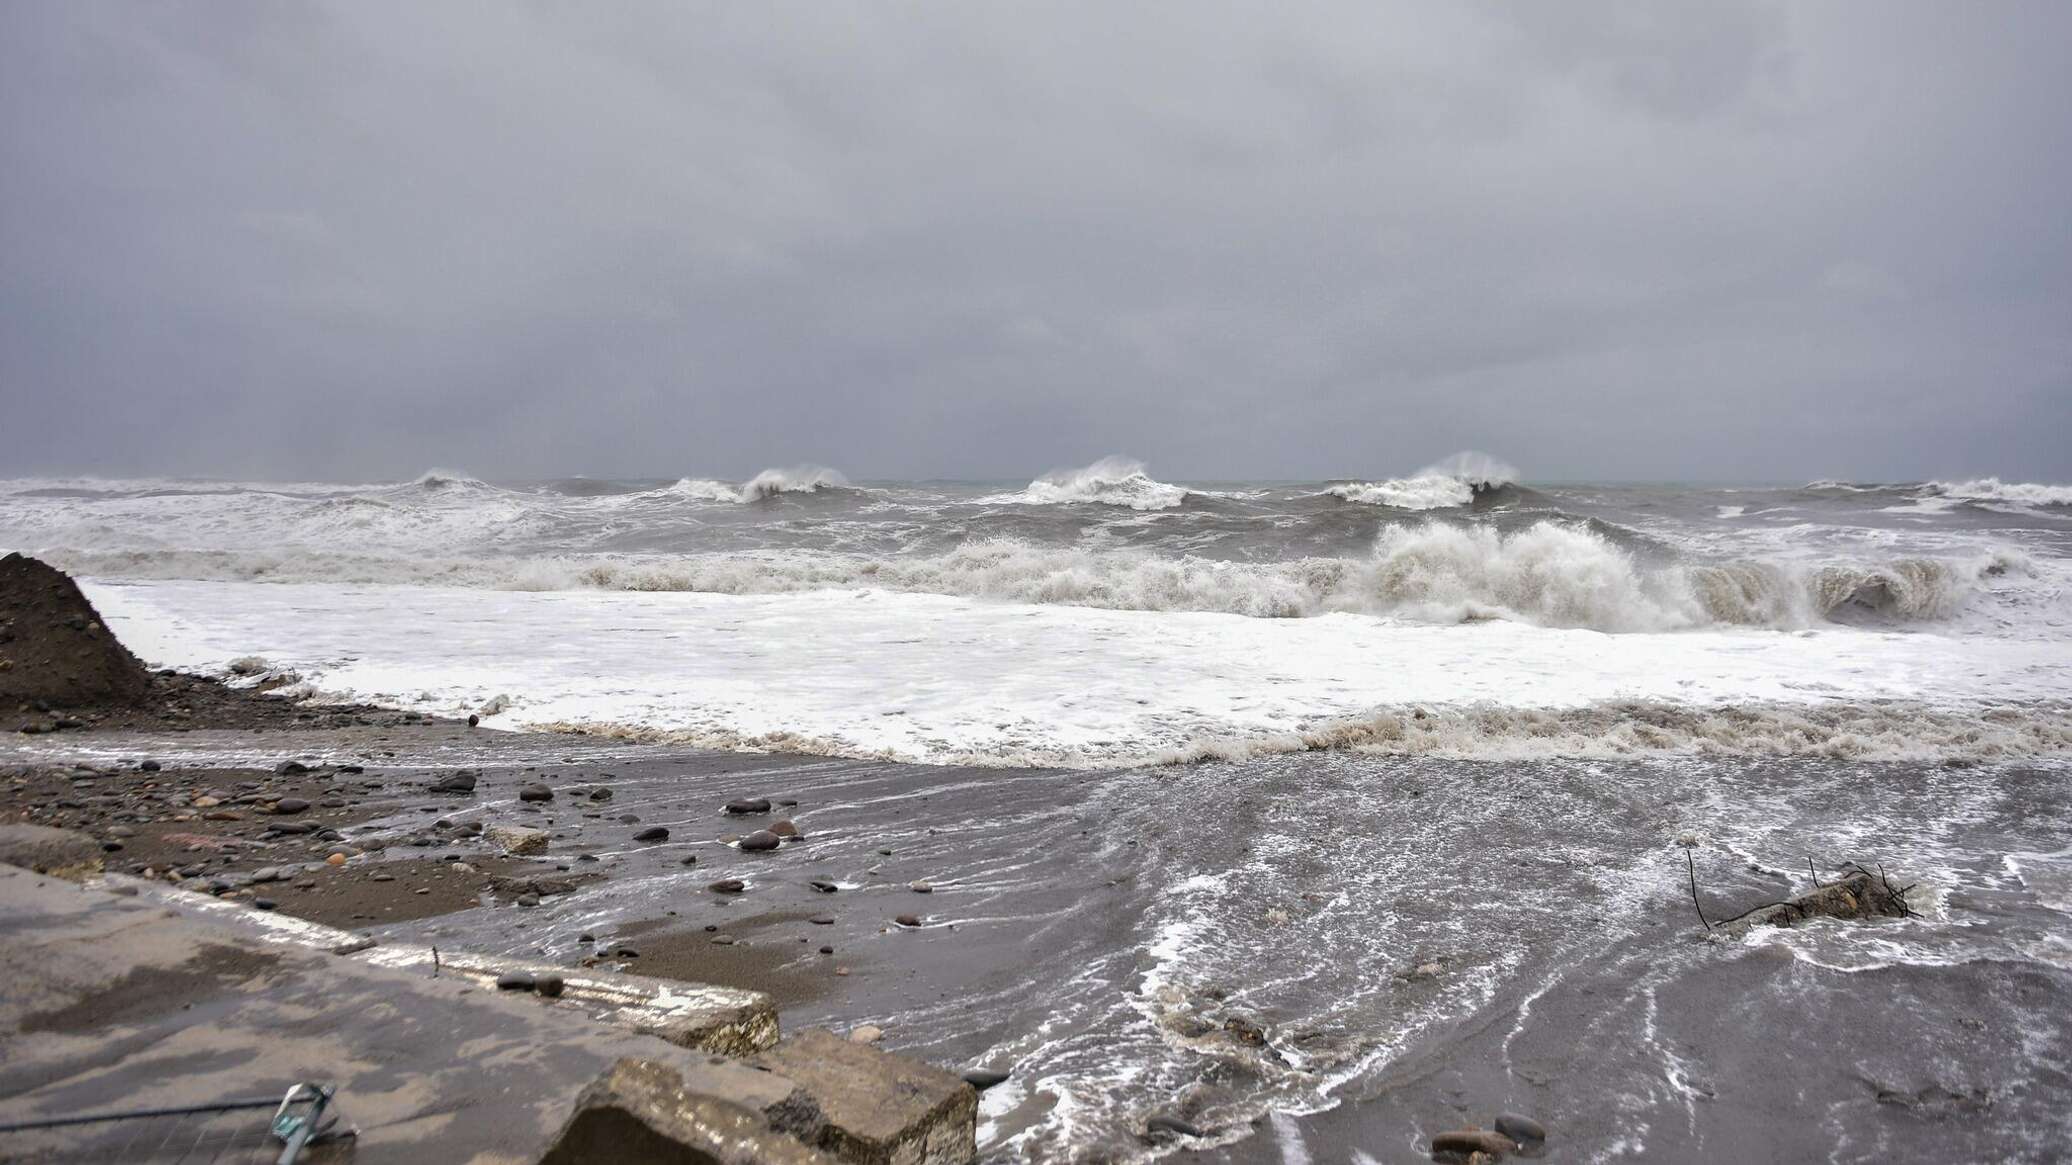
x=64, y=853
x=114, y=1002
x=721, y=1020
x=881, y=1109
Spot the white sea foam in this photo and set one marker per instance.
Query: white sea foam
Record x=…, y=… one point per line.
x=1112, y=481
x=928, y=678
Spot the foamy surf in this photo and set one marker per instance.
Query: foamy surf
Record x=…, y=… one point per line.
x=1455, y=481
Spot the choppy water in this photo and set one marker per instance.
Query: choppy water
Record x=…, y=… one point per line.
x=1449, y=717
x=1102, y=616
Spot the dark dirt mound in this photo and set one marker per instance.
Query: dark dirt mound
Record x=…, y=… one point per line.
x=53, y=646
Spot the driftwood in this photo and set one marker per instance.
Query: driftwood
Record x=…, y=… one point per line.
x=1857, y=894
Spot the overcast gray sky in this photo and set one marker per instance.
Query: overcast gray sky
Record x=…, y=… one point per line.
x=1700, y=240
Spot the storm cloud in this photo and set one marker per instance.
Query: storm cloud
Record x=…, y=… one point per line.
x=1690, y=240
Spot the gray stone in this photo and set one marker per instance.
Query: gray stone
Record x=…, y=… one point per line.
x=748, y=805
x=516, y=839
x=1463, y=1142
x=535, y=792
x=1171, y=1126
x=645, y=1111
x=1520, y=1128
x=652, y=833
x=760, y=840
x=880, y=1109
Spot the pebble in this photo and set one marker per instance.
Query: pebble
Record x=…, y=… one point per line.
x=1520, y=1128
x=458, y=781
x=748, y=805
x=535, y=792
x=784, y=829
x=382, y=878
x=728, y=886
x=525, y=899
x=869, y=1033
x=290, y=768
x=549, y=986
x=722, y=940
x=826, y=950
x=290, y=805
x=822, y=920
x=600, y=794
x=686, y=860
x=983, y=1078
x=652, y=833
x=920, y=887
x=824, y=885
x=760, y=840
x=514, y=981
x=907, y=920
x=149, y=766
x=264, y=903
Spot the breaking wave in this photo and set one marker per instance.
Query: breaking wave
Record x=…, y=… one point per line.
x=1547, y=574
x=770, y=483
x=1992, y=489
x=1898, y=730
x=1452, y=482
x=1112, y=481
x=1862, y=731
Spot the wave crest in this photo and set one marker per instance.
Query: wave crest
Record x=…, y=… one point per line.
x=798, y=479
x=1992, y=489
x=1454, y=481
x=1548, y=574
x=1112, y=481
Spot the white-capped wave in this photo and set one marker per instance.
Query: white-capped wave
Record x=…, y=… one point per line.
x=1113, y=481
x=1547, y=575
x=1451, y=482
x=1992, y=489
x=798, y=479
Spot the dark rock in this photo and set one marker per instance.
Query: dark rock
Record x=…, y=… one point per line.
x=515, y=981
x=688, y=860
x=1520, y=1128
x=549, y=986
x=290, y=805
x=473, y=720
x=458, y=781
x=907, y=920
x=1463, y=1142
x=827, y=950
x=652, y=833
x=600, y=794
x=983, y=1078
x=535, y=792
x=728, y=886
x=760, y=840
x=748, y=805
x=824, y=885
x=1170, y=1126
x=290, y=768
x=264, y=903
x=149, y=766
x=784, y=829
x=528, y=900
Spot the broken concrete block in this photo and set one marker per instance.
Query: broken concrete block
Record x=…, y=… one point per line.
x=644, y=1111
x=517, y=839
x=61, y=853
x=881, y=1109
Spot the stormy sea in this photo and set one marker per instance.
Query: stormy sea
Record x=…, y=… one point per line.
x=1316, y=816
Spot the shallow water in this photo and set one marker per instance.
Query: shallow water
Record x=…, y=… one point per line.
x=1096, y=933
